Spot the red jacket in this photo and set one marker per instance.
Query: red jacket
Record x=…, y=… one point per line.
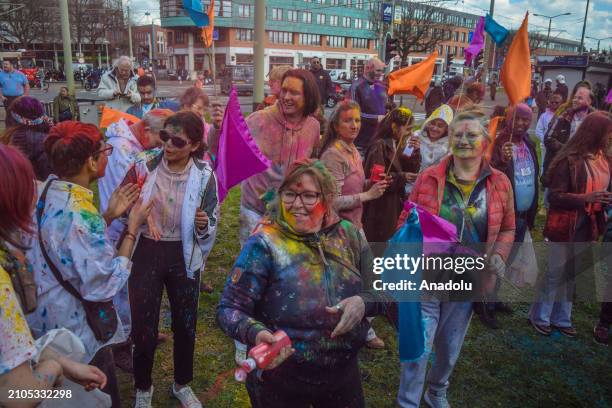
x=428, y=192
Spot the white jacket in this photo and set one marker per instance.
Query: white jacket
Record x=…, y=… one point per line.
x=109, y=85
x=201, y=192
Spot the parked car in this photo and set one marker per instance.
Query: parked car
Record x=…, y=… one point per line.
x=241, y=76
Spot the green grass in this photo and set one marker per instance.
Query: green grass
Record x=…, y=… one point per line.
x=510, y=367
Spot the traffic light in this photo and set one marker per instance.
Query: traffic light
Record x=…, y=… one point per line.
x=478, y=59
x=391, y=48
x=449, y=61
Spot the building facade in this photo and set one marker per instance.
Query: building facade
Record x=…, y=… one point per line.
x=141, y=43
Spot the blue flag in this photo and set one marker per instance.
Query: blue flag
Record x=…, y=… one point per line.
x=496, y=31
x=195, y=12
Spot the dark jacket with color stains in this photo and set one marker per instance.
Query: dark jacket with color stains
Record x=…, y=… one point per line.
x=380, y=215
x=284, y=281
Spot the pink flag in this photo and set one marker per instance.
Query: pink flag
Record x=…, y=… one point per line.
x=477, y=43
x=238, y=157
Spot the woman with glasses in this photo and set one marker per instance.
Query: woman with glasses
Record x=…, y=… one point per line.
x=300, y=272
x=73, y=242
x=171, y=251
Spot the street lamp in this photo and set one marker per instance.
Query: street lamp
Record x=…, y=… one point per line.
x=550, y=19
x=598, y=41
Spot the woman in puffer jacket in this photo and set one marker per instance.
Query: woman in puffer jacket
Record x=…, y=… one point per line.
x=301, y=271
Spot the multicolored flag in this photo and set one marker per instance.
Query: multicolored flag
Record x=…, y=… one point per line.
x=238, y=157
x=516, y=70
x=414, y=79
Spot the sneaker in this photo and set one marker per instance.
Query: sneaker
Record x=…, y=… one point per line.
x=375, y=343
x=601, y=334
x=567, y=331
x=436, y=401
x=544, y=330
x=186, y=396
x=143, y=398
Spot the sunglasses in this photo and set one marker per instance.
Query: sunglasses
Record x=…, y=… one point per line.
x=177, y=142
x=107, y=150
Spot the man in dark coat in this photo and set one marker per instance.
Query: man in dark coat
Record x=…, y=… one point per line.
x=324, y=82
x=434, y=97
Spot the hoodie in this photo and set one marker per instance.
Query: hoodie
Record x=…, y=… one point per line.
x=282, y=143
x=283, y=280
x=433, y=151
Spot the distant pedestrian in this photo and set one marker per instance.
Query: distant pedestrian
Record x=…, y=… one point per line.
x=371, y=95
x=13, y=84
x=493, y=82
x=118, y=87
x=434, y=97
x=274, y=83
x=324, y=82
x=543, y=96
x=148, y=100
x=450, y=87
x=561, y=86
x=65, y=106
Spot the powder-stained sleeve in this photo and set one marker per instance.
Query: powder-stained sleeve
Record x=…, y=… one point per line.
x=336, y=165
x=245, y=287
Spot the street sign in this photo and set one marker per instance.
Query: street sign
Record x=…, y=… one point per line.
x=397, y=18
x=387, y=13
x=564, y=60
x=215, y=34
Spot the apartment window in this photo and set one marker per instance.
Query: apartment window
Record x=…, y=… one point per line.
x=463, y=37
x=333, y=20
x=292, y=16
x=335, y=63
x=373, y=5
x=244, y=10
x=307, y=17
x=447, y=49
x=358, y=23
x=321, y=19
x=310, y=39
x=360, y=43
x=347, y=3
x=461, y=52
x=179, y=37
x=346, y=21
x=455, y=50
x=455, y=36
x=359, y=4
x=334, y=2
x=280, y=37
x=336, y=41
x=277, y=13
x=308, y=1
x=244, y=34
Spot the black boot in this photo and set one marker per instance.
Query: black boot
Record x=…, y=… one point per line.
x=487, y=316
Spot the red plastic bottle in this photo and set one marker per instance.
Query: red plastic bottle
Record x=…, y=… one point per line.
x=262, y=355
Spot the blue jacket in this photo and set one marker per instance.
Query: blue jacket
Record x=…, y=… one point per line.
x=137, y=111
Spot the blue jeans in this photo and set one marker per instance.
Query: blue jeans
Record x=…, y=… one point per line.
x=446, y=324
x=554, y=305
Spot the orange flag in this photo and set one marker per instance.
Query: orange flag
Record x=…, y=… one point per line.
x=493, y=124
x=414, y=79
x=516, y=71
x=207, y=32
x=110, y=116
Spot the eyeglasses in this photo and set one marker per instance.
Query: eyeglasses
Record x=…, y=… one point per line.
x=316, y=63
x=177, y=142
x=107, y=150
x=308, y=197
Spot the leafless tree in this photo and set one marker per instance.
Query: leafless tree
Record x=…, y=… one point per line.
x=421, y=27
x=23, y=25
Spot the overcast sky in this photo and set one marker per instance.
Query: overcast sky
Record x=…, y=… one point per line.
x=508, y=13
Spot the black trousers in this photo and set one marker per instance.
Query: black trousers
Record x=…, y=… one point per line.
x=9, y=121
x=157, y=265
x=605, y=317
x=289, y=385
x=105, y=362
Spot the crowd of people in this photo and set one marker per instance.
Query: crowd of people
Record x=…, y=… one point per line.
x=306, y=225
